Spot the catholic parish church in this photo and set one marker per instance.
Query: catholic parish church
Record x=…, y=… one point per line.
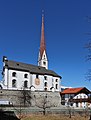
x=19, y=76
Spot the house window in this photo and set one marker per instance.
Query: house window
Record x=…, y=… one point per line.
x=63, y=103
x=71, y=97
x=25, y=75
x=63, y=97
x=14, y=74
x=84, y=96
x=80, y=96
x=71, y=104
x=56, y=86
x=76, y=104
x=14, y=83
x=25, y=84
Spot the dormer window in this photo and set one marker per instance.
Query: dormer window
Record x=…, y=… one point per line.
x=14, y=74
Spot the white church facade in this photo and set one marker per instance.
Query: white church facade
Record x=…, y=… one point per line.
x=18, y=75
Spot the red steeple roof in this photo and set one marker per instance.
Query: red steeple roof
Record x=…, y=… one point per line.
x=42, y=43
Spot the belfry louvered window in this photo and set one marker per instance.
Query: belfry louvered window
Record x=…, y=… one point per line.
x=44, y=63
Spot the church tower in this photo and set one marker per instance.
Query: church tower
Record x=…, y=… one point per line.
x=42, y=58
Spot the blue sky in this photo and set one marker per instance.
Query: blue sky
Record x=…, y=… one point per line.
x=65, y=28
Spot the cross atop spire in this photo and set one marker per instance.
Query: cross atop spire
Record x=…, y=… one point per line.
x=42, y=12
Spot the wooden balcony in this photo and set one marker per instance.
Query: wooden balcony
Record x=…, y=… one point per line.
x=81, y=100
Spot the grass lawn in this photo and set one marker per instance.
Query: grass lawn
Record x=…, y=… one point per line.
x=55, y=117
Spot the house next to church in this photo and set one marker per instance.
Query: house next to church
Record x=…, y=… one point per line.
x=76, y=97
x=18, y=75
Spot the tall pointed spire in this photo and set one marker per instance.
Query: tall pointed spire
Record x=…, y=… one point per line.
x=42, y=59
x=42, y=43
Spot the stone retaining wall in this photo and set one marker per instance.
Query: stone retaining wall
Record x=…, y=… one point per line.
x=30, y=98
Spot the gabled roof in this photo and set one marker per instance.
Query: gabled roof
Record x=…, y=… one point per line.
x=33, y=69
x=75, y=90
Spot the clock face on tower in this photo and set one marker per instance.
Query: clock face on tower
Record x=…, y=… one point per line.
x=37, y=81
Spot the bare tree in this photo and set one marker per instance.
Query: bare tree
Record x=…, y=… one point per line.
x=43, y=102
x=24, y=100
x=88, y=57
x=26, y=97
x=88, y=47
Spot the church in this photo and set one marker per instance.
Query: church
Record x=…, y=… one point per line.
x=19, y=76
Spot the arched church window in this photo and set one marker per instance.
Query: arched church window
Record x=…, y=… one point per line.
x=13, y=83
x=56, y=80
x=45, y=89
x=25, y=84
x=25, y=75
x=1, y=87
x=37, y=76
x=56, y=86
x=14, y=74
x=45, y=84
x=45, y=77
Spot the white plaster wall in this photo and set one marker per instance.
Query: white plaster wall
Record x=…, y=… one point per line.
x=81, y=95
x=19, y=78
x=42, y=81
x=51, y=81
x=38, y=87
x=83, y=104
x=58, y=82
x=44, y=59
x=6, y=78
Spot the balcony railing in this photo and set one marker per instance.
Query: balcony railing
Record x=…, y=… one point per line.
x=80, y=100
